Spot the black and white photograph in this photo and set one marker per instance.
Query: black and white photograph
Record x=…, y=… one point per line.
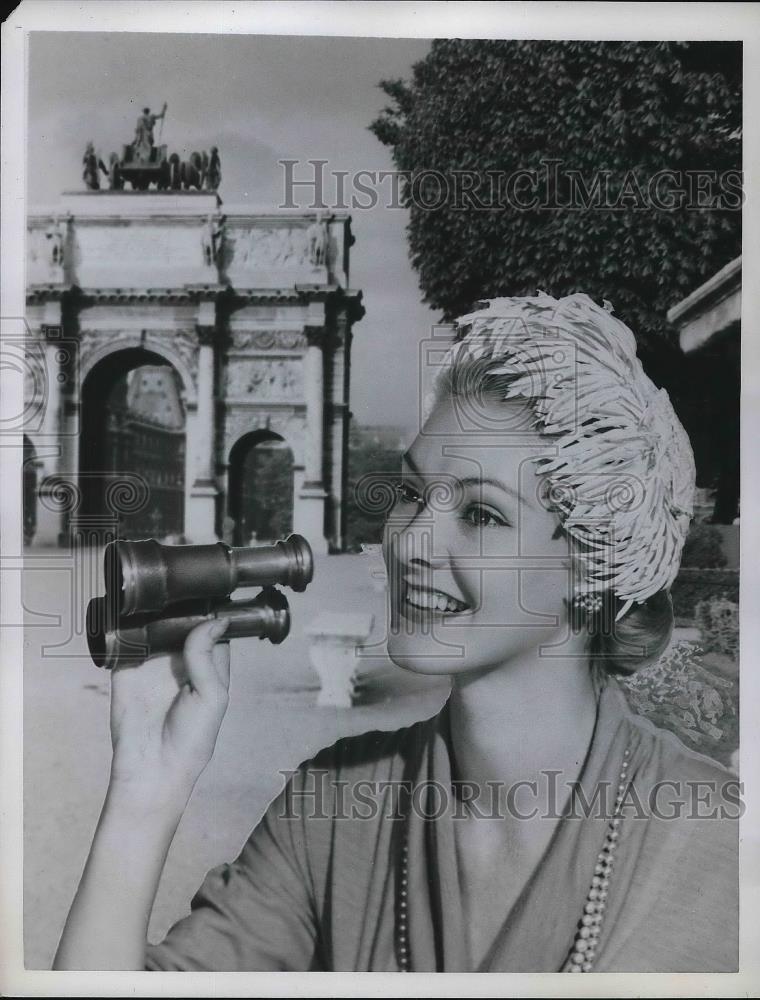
x=376, y=426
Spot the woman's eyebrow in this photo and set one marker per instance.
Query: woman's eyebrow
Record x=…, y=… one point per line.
x=489, y=481
x=475, y=481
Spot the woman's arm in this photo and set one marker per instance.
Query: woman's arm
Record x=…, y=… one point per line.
x=165, y=717
x=108, y=922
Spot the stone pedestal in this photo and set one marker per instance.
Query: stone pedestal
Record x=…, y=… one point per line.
x=334, y=639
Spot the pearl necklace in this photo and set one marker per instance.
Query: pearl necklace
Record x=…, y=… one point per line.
x=583, y=952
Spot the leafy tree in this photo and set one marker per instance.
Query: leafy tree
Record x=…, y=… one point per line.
x=629, y=108
x=373, y=472
x=609, y=113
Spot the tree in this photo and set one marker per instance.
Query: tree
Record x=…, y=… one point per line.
x=630, y=109
x=592, y=126
x=374, y=470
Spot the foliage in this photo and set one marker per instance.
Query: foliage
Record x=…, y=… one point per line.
x=693, y=585
x=630, y=108
x=681, y=693
x=718, y=622
x=703, y=547
x=267, y=498
x=373, y=472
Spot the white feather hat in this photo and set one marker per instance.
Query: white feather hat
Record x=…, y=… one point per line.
x=622, y=476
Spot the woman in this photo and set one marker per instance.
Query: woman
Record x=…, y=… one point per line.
x=534, y=824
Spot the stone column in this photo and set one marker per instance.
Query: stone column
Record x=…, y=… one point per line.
x=200, y=483
x=339, y=419
x=309, y=501
x=51, y=509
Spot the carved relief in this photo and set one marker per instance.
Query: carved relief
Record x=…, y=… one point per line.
x=267, y=248
x=264, y=379
x=268, y=340
x=185, y=344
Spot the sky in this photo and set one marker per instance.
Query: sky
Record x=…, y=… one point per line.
x=260, y=99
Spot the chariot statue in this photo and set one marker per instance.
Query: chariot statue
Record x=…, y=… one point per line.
x=146, y=162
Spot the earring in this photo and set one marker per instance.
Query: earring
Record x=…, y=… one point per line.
x=590, y=604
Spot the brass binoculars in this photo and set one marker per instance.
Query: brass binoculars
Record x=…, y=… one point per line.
x=156, y=594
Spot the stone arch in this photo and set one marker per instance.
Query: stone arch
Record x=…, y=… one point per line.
x=131, y=461
x=152, y=345
x=260, y=496
x=32, y=466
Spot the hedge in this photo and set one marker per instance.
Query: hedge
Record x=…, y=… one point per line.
x=693, y=585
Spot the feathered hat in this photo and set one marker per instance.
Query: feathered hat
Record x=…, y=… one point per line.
x=622, y=477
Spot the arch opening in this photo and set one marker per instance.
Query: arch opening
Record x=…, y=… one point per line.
x=132, y=451
x=260, y=498
x=31, y=466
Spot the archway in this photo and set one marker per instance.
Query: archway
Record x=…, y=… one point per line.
x=31, y=467
x=260, y=499
x=132, y=451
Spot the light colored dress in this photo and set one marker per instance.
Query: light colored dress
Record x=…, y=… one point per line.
x=316, y=886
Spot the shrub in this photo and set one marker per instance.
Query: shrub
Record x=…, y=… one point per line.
x=718, y=622
x=703, y=547
x=681, y=693
x=693, y=585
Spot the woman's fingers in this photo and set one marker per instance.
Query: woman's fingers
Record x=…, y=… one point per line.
x=221, y=657
x=206, y=668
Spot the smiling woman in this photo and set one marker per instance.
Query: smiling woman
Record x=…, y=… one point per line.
x=535, y=824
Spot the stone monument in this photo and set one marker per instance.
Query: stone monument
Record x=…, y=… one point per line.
x=259, y=339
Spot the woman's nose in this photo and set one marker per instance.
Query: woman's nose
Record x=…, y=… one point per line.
x=429, y=538
x=411, y=537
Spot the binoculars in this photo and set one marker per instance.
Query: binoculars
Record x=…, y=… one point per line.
x=156, y=594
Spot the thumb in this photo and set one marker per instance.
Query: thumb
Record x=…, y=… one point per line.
x=205, y=669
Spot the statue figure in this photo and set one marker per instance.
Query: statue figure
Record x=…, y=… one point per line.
x=56, y=233
x=115, y=178
x=214, y=170
x=317, y=237
x=144, y=142
x=92, y=167
x=211, y=239
x=175, y=172
x=190, y=172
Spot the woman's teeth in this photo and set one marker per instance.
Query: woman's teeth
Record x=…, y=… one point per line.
x=433, y=600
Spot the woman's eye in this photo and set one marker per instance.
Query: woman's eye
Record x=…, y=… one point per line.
x=482, y=517
x=408, y=495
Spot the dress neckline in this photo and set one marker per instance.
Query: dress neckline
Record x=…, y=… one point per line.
x=557, y=889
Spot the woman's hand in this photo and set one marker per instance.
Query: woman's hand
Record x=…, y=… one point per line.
x=166, y=713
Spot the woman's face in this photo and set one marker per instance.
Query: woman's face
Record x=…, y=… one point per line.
x=477, y=572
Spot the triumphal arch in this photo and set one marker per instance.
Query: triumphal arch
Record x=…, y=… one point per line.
x=239, y=323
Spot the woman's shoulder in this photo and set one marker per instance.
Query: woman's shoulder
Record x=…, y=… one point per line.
x=676, y=760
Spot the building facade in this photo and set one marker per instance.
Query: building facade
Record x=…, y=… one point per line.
x=708, y=322
x=252, y=311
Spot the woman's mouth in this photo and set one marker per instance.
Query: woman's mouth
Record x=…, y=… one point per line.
x=431, y=600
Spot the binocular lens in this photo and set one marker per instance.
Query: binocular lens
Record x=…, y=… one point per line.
x=145, y=576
